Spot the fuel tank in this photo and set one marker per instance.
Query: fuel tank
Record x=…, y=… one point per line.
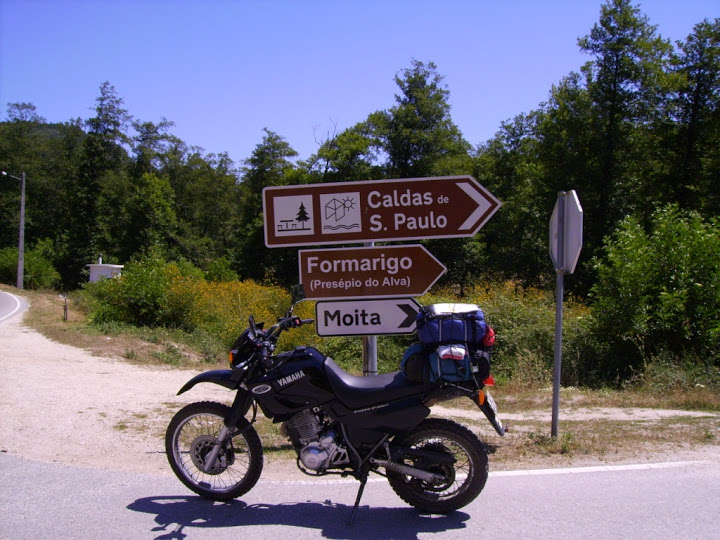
x=295, y=383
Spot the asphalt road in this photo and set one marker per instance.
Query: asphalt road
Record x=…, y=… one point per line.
x=11, y=305
x=678, y=500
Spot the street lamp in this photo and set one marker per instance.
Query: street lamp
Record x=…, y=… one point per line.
x=21, y=241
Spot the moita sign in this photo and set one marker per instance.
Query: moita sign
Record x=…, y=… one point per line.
x=366, y=317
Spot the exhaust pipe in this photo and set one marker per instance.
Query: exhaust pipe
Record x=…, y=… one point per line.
x=425, y=476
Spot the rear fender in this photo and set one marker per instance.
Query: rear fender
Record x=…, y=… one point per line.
x=486, y=404
x=223, y=377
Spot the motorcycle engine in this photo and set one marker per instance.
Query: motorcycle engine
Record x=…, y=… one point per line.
x=315, y=443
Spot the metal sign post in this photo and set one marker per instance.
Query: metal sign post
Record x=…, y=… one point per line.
x=559, y=296
x=369, y=347
x=566, y=226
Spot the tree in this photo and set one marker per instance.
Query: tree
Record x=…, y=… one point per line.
x=625, y=82
x=269, y=165
x=345, y=157
x=516, y=237
x=24, y=112
x=152, y=220
x=658, y=292
x=48, y=154
x=418, y=135
x=564, y=158
x=206, y=202
x=697, y=144
x=150, y=143
x=302, y=214
x=103, y=152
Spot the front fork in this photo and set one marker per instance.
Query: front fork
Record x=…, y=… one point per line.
x=215, y=452
x=239, y=408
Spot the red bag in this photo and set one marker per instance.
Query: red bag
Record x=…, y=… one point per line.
x=489, y=339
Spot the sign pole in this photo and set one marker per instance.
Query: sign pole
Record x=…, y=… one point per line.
x=369, y=346
x=369, y=355
x=566, y=225
x=559, y=296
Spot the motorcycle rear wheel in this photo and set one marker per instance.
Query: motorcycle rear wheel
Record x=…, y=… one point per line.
x=190, y=438
x=464, y=479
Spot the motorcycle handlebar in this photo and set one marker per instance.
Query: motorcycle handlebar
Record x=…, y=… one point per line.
x=265, y=349
x=266, y=341
x=290, y=322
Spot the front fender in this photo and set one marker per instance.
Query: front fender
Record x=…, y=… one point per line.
x=223, y=377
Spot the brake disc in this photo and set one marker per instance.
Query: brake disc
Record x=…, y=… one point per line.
x=202, y=446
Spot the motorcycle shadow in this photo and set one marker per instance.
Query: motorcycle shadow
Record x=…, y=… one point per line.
x=174, y=515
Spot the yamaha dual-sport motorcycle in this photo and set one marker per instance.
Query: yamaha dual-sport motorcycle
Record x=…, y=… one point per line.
x=338, y=424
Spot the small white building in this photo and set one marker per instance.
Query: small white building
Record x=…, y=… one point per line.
x=101, y=270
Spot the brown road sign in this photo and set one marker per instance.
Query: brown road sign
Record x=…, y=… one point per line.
x=370, y=272
x=376, y=210
x=366, y=316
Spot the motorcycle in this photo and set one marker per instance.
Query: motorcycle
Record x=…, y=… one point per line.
x=338, y=423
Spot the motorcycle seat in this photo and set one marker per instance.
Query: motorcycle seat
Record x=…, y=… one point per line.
x=359, y=392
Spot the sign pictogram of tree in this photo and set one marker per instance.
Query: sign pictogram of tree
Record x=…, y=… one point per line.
x=302, y=214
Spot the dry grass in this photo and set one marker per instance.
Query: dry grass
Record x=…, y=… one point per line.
x=62, y=320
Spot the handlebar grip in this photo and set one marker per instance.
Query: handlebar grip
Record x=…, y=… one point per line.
x=265, y=358
x=308, y=321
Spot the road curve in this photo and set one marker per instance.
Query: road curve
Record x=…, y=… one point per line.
x=11, y=305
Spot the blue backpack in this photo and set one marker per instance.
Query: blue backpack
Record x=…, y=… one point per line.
x=442, y=324
x=451, y=347
x=449, y=363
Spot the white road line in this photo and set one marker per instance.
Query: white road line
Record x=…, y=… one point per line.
x=528, y=472
x=14, y=311
x=598, y=468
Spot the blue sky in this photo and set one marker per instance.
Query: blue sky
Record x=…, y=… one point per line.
x=223, y=70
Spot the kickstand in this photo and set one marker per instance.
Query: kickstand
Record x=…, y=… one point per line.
x=363, y=481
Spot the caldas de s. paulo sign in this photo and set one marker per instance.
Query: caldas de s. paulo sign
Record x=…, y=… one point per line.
x=377, y=210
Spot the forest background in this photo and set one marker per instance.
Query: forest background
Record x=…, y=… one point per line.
x=636, y=133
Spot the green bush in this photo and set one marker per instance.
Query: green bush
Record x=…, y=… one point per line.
x=38, y=271
x=137, y=297
x=153, y=292
x=657, y=298
x=346, y=351
x=8, y=265
x=220, y=270
x=524, y=324
x=658, y=292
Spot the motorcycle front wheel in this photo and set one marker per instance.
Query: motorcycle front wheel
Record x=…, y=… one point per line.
x=190, y=438
x=463, y=480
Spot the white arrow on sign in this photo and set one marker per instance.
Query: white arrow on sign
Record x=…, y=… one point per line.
x=366, y=317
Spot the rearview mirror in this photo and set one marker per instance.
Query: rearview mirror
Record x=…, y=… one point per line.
x=297, y=293
x=253, y=327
